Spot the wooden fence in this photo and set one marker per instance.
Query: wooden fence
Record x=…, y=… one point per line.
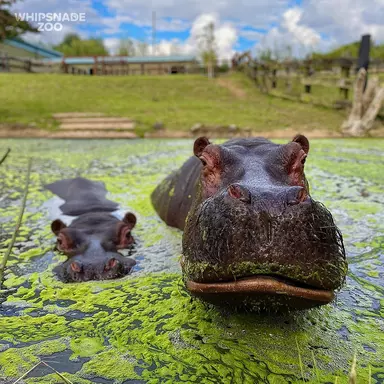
x=321, y=82
x=30, y=65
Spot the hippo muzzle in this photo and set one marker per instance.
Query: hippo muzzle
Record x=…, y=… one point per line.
x=234, y=252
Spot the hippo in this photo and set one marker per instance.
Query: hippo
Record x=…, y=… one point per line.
x=93, y=239
x=253, y=238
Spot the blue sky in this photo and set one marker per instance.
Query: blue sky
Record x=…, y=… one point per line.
x=305, y=25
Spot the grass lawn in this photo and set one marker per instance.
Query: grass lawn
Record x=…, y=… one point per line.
x=177, y=101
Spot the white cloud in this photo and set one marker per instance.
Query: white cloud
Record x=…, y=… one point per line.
x=301, y=33
x=225, y=39
x=250, y=34
x=255, y=13
x=225, y=36
x=346, y=20
x=316, y=23
x=291, y=38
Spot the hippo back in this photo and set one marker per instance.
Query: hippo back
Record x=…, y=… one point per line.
x=173, y=197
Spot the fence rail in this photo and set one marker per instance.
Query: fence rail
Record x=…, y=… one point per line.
x=325, y=82
x=30, y=65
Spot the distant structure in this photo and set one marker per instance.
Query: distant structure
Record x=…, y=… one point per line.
x=125, y=65
x=17, y=55
x=17, y=47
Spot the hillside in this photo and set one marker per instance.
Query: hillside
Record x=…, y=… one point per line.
x=351, y=50
x=178, y=102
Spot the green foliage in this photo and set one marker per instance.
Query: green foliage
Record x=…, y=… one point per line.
x=351, y=51
x=10, y=27
x=73, y=45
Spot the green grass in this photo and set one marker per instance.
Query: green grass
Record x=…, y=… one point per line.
x=177, y=101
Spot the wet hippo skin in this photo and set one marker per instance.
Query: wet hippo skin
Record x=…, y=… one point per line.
x=92, y=240
x=253, y=235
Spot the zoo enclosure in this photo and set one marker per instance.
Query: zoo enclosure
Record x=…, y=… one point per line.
x=101, y=65
x=325, y=82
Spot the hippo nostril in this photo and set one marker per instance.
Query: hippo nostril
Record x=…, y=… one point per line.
x=295, y=195
x=236, y=191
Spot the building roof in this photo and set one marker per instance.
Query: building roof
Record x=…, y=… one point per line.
x=117, y=59
x=34, y=48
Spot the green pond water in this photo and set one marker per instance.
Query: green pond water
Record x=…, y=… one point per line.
x=145, y=328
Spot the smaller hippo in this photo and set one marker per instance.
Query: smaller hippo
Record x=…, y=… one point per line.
x=92, y=241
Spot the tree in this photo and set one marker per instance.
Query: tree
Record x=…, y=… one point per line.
x=365, y=107
x=73, y=45
x=142, y=48
x=69, y=38
x=207, y=47
x=127, y=48
x=10, y=25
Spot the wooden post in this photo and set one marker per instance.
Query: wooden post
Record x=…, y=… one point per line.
x=346, y=65
x=28, y=65
x=364, y=49
x=274, y=78
x=288, y=82
x=307, y=74
x=95, y=66
x=363, y=61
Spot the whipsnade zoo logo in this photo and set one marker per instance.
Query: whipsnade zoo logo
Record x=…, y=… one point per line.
x=50, y=21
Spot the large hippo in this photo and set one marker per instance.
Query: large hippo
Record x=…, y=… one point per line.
x=253, y=235
x=92, y=240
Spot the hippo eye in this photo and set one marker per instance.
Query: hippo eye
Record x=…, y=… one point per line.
x=59, y=241
x=203, y=161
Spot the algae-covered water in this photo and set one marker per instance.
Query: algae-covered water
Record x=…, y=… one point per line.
x=145, y=328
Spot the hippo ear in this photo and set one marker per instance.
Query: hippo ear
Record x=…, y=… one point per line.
x=130, y=219
x=76, y=266
x=303, y=141
x=57, y=226
x=200, y=145
x=111, y=263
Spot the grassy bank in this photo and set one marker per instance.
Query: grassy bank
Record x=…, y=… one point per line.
x=177, y=101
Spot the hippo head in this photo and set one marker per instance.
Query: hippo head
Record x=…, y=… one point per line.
x=254, y=237
x=91, y=244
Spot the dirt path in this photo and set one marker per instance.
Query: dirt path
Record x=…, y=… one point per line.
x=238, y=92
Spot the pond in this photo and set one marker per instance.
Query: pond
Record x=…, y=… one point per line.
x=145, y=328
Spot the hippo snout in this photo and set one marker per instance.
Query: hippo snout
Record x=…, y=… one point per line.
x=294, y=240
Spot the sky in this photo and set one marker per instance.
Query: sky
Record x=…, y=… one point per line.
x=303, y=25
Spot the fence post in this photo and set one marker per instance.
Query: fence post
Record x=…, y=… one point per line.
x=345, y=65
x=274, y=78
x=363, y=61
x=28, y=65
x=307, y=74
x=288, y=82
x=95, y=66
